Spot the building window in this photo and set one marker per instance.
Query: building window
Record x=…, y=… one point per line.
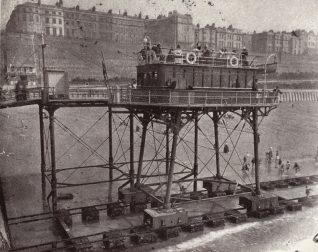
x=163, y=223
x=54, y=21
x=47, y=20
x=37, y=18
x=24, y=17
x=54, y=31
x=47, y=12
x=53, y=12
x=47, y=30
x=61, y=32
x=60, y=21
x=60, y=13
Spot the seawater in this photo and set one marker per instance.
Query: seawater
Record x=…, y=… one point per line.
x=293, y=231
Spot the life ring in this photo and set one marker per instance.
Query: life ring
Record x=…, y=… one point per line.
x=193, y=56
x=234, y=61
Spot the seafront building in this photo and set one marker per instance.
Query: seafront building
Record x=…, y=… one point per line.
x=170, y=30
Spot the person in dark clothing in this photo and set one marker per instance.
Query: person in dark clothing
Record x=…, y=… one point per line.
x=206, y=52
x=170, y=57
x=226, y=148
x=244, y=55
x=277, y=90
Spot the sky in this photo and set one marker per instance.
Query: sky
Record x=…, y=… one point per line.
x=248, y=15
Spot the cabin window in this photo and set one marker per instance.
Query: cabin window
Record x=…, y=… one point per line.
x=174, y=73
x=249, y=79
x=184, y=73
x=241, y=79
x=233, y=78
x=224, y=82
x=140, y=79
x=154, y=75
x=179, y=220
x=197, y=78
x=216, y=77
x=163, y=223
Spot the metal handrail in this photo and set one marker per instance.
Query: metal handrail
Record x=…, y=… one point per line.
x=191, y=97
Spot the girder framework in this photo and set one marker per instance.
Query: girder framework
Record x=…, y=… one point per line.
x=167, y=147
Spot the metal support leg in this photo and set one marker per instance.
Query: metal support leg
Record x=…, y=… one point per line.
x=167, y=150
x=43, y=163
x=216, y=144
x=176, y=129
x=53, y=168
x=110, y=146
x=256, y=139
x=131, y=171
x=195, y=165
x=142, y=147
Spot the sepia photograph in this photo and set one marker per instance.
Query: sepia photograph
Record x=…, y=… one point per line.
x=159, y=125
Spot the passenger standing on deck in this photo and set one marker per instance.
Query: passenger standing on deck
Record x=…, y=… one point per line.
x=287, y=165
x=178, y=55
x=206, y=52
x=244, y=55
x=170, y=57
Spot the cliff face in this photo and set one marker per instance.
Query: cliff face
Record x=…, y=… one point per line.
x=80, y=58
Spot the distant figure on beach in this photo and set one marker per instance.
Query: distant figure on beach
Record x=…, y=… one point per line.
x=296, y=167
x=281, y=168
x=287, y=165
x=226, y=148
x=307, y=191
x=245, y=166
x=316, y=158
x=277, y=159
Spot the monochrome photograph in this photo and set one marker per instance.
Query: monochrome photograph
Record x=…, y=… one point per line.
x=159, y=125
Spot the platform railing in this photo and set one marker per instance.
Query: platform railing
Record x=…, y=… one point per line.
x=213, y=59
x=194, y=98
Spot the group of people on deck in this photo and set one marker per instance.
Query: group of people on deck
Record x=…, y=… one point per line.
x=150, y=53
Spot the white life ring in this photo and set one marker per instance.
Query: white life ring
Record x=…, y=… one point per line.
x=235, y=63
x=194, y=58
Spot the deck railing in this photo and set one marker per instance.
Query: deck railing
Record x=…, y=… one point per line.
x=203, y=97
x=194, y=97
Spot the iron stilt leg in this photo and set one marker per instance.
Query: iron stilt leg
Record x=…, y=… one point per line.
x=256, y=139
x=176, y=129
x=195, y=165
x=110, y=146
x=43, y=163
x=216, y=144
x=53, y=168
x=131, y=171
x=142, y=147
x=167, y=150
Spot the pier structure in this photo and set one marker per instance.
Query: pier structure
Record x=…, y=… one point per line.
x=181, y=110
x=149, y=132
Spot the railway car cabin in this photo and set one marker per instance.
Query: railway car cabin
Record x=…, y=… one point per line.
x=189, y=71
x=163, y=218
